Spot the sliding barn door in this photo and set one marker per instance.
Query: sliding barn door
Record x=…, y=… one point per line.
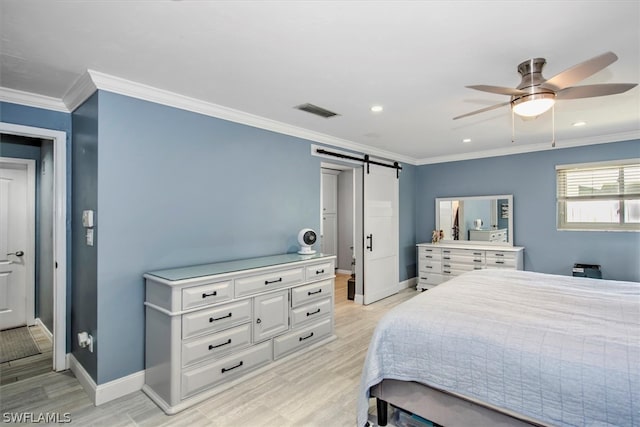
x=381, y=228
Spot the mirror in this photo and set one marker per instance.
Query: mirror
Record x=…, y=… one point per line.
x=477, y=220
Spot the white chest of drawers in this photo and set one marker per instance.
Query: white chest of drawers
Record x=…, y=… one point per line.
x=440, y=262
x=211, y=326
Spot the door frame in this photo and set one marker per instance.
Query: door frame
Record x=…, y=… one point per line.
x=30, y=267
x=356, y=217
x=59, y=139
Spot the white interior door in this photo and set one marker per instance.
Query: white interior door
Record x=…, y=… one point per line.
x=381, y=228
x=17, y=227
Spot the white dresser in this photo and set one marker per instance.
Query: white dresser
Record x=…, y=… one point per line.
x=439, y=262
x=210, y=326
x=493, y=235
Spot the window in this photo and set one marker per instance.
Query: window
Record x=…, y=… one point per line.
x=599, y=196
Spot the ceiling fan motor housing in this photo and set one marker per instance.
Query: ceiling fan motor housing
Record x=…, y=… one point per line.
x=531, y=72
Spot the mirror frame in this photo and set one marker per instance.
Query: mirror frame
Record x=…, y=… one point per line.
x=510, y=238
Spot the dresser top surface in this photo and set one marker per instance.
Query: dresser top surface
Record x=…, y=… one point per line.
x=476, y=246
x=194, y=271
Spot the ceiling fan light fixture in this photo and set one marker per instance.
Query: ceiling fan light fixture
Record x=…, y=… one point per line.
x=533, y=105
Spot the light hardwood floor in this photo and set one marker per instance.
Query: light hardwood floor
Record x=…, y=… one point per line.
x=318, y=388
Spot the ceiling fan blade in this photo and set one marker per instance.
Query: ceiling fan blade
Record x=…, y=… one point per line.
x=482, y=110
x=589, y=91
x=497, y=89
x=580, y=71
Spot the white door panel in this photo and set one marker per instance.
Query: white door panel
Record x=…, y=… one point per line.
x=16, y=235
x=381, y=192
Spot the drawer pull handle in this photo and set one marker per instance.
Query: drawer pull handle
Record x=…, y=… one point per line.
x=499, y=262
x=446, y=272
x=447, y=257
x=499, y=254
x=477, y=268
x=428, y=266
x=211, y=294
x=267, y=282
x=232, y=368
x=320, y=271
x=447, y=252
x=213, y=319
x=477, y=253
x=428, y=256
x=477, y=260
x=315, y=292
x=313, y=312
x=211, y=347
x=307, y=337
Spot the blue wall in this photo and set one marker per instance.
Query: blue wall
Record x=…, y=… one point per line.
x=531, y=179
x=407, y=235
x=178, y=188
x=85, y=258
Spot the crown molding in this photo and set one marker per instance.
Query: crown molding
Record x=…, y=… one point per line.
x=79, y=91
x=32, y=100
x=530, y=148
x=93, y=80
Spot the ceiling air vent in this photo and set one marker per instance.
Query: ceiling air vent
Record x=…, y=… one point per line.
x=318, y=111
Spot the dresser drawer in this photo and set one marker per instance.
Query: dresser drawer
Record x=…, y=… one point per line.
x=310, y=312
x=499, y=259
x=430, y=266
x=200, y=378
x=462, y=256
x=303, y=294
x=430, y=278
x=295, y=340
x=448, y=272
x=268, y=281
x=216, y=319
x=429, y=253
x=320, y=271
x=209, y=346
x=211, y=293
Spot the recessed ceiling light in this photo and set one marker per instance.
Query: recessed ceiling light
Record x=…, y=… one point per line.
x=376, y=108
x=580, y=123
x=466, y=140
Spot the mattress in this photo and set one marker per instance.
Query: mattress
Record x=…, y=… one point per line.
x=561, y=350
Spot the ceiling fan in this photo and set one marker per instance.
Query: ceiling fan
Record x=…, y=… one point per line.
x=536, y=95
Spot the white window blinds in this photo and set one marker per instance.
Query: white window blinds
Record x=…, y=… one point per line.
x=599, y=196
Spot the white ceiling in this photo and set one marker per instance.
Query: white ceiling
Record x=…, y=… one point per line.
x=412, y=57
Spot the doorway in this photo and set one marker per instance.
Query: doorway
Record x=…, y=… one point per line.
x=337, y=217
x=373, y=211
x=50, y=243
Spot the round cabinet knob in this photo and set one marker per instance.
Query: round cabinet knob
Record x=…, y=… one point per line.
x=258, y=321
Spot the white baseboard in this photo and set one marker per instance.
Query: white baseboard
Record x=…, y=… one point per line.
x=358, y=299
x=107, y=392
x=46, y=331
x=344, y=271
x=409, y=283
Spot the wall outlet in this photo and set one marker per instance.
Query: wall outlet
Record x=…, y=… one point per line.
x=89, y=236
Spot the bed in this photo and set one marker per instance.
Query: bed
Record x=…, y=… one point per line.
x=504, y=347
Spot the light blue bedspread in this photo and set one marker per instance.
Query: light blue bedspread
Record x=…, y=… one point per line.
x=561, y=350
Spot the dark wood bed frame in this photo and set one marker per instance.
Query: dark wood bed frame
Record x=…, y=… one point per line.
x=441, y=407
